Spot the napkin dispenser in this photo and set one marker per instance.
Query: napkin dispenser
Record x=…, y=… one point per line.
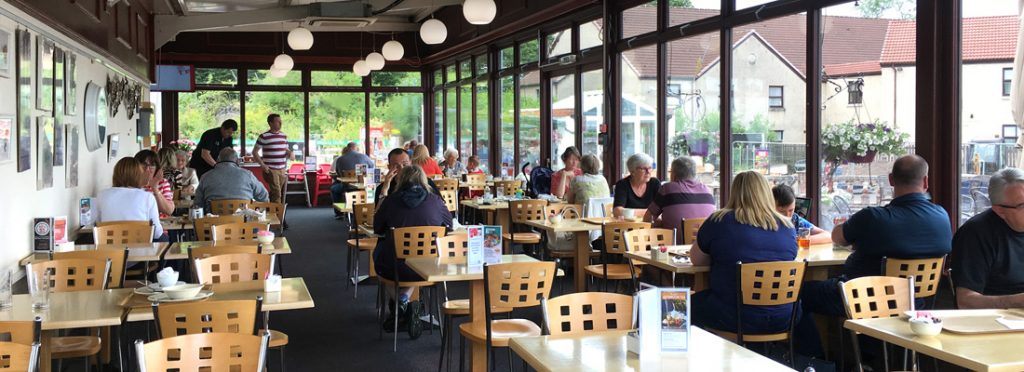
x=272, y=284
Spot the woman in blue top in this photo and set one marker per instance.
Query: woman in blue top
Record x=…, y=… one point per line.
x=748, y=230
x=785, y=203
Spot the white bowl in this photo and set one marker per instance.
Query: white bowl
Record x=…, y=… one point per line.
x=265, y=239
x=925, y=327
x=183, y=291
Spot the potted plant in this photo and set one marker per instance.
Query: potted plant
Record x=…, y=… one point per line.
x=183, y=144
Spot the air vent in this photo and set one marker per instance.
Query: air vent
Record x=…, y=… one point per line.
x=342, y=22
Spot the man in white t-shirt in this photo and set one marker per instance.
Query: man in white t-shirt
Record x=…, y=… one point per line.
x=272, y=152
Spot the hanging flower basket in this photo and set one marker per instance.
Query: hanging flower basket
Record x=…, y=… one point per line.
x=866, y=158
x=859, y=143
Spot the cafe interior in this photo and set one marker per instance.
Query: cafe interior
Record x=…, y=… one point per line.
x=511, y=185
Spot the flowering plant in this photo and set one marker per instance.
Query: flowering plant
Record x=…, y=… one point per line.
x=844, y=140
x=183, y=144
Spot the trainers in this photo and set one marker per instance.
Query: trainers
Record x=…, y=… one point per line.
x=412, y=318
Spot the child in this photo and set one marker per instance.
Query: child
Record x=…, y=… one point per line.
x=785, y=204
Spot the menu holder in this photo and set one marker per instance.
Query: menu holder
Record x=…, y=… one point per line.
x=484, y=246
x=663, y=322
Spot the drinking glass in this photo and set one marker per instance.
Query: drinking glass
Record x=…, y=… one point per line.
x=803, y=238
x=6, y=295
x=39, y=289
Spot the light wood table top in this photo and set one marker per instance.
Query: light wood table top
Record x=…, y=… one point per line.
x=493, y=206
x=606, y=351
x=432, y=270
x=68, y=310
x=603, y=220
x=169, y=224
x=294, y=295
x=977, y=352
x=817, y=255
x=136, y=252
x=569, y=225
x=179, y=251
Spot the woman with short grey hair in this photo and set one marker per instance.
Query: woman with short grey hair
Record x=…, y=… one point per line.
x=451, y=166
x=186, y=181
x=590, y=184
x=637, y=189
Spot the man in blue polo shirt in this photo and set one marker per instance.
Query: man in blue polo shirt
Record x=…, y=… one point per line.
x=911, y=226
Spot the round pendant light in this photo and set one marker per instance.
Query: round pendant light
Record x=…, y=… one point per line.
x=433, y=32
x=284, y=62
x=375, y=61
x=360, y=68
x=277, y=72
x=300, y=39
x=479, y=12
x=393, y=50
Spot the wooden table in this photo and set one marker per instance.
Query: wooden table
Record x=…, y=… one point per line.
x=136, y=252
x=494, y=213
x=977, y=352
x=606, y=351
x=179, y=251
x=169, y=224
x=582, y=231
x=432, y=270
x=293, y=296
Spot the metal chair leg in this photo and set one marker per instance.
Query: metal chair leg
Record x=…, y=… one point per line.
x=856, y=351
x=282, y=358
x=462, y=353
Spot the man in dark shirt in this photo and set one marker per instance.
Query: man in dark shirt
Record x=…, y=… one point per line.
x=211, y=142
x=397, y=159
x=911, y=226
x=988, y=250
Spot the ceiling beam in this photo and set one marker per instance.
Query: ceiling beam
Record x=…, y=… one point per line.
x=425, y=13
x=414, y=4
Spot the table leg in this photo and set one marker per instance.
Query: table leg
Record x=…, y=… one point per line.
x=478, y=351
x=582, y=260
x=45, y=364
x=700, y=282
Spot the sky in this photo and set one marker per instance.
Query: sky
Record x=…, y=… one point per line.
x=973, y=8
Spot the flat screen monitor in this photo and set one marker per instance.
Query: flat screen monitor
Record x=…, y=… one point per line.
x=803, y=207
x=174, y=78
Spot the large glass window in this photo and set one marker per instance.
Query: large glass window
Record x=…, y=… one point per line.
x=483, y=127
x=508, y=125
x=395, y=79
x=258, y=105
x=559, y=43
x=205, y=109
x=506, y=58
x=591, y=33
x=216, y=76
x=451, y=121
x=481, y=64
x=262, y=77
x=529, y=52
x=438, y=119
x=465, y=122
x=692, y=101
x=563, y=117
x=395, y=118
x=638, y=133
x=529, y=119
x=465, y=69
x=685, y=11
x=335, y=119
x=335, y=79
x=593, y=112
x=640, y=19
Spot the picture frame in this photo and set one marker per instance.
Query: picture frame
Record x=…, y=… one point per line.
x=6, y=53
x=44, y=73
x=8, y=131
x=45, y=137
x=112, y=147
x=70, y=83
x=24, y=70
x=71, y=179
x=58, y=107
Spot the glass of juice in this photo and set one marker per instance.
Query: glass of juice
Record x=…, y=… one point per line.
x=803, y=238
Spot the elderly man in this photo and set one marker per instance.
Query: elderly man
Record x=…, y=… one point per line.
x=681, y=198
x=988, y=250
x=350, y=157
x=228, y=181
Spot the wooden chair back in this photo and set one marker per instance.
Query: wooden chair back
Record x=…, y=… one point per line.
x=584, y=312
x=362, y=214
x=234, y=267
x=118, y=258
x=242, y=232
x=278, y=209
x=476, y=182
x=25, y=332
x=204, y=226
x=227, y=206
x=614, y=241
x=416, y=241
x=204, y=352
x=518, y=284
x=18, y=357
x=73, y=274
x=231, y=316
x=877, y=296
x=451, y=200
x=769, y=283
x=351, y=173
x=510, y=187
x=609, y=209
x=355, y=197
x=573, y=211
x=689, y=228
x=452, y=246
x=521, y=211
x=640, y=240
x=926, y=273
x=216, y=250
x=122, y=232
x=447, y=184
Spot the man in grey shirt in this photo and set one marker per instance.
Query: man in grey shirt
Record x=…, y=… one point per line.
x=228, y=181
x=350, y=157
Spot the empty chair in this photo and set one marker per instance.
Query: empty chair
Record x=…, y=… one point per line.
x=579, y=313
x=72, y=275
x=510, y=187
x=519, y=212
x=234, y=267
x=228, y=206
x=447, y=184
x=204, y=226
x=231, y=316
x=215, y=250
x=355, y=197
x=118, y=258
x=362, y=214
x=21, y=351
x=276, y=209
x=614, y=250
x=876, y=297
x=451, y=200
x=689, y=228
x=204, y=351
x=297, y=176
x=642, y=240
x=238, y=232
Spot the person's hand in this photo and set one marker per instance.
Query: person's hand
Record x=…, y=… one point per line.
x=154, y=183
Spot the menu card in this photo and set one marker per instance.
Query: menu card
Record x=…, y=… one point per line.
x=484, y=244
x=664, y=321
x=492, y=244
x=85, y=212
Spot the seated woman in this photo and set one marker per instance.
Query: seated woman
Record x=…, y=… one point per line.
x=421, y=157
x=748, y=229
x=682, y=198
x=186, y=180
x=560, y=180
x=637, y=190
x=411, y=204
x=473, y=165
x=590, y=184
x=452, y=167
x=785, y=203
x=155, y=181
x=126, y=201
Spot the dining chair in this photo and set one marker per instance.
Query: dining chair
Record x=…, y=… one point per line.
x=229, y=316
x=228, y=206
x=118, y=258
x=642, y=240
x=451, y=201
x=217, y=249
x=520, y=212
x=355, y=197
x=239, y=232
x=297, y=176
x=447, y=184
x=277, y=209
x=204, y=226
x=927, y=273
x=510, y=187
x=122, y=232
x=876, y=297
x=689, y=228
x=27, y=335
x=584, y=312
x=767, y=284
x=615, y=247
x=322, y=185
x=73, y=275
x=204, y=351
x=409, y=242
x=362, y=215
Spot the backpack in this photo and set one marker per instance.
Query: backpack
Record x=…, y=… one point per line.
x=539, y=181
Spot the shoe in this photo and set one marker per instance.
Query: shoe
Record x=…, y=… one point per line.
x=412, y=318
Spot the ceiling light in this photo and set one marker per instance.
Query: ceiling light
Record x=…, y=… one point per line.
x=284, y=61
x=360, y=68
x=277, y=72
x=479, y=12
x=375, y=61
x=433, y=32
x=393, y=50
x=300, y=39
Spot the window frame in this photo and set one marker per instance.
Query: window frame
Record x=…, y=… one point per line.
x=781, y=97
x=1007, y=81
x=855, y=92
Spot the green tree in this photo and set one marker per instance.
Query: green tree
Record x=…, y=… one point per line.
x=907, y=9
x=680, y=4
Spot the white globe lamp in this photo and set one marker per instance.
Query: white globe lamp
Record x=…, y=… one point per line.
x=393, y=50
x=375, y=61
x=360, y=68
x=277, y=72
x=300, y=39
x=433, y=32
x=479, y=12
x=284, y=62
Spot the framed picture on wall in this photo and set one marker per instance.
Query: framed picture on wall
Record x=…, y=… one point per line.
x=7, y=135
x=44, y=73
x=58, y=107
x=72, y=162
x=24, y=88
x=44, y=171
x=70, y=84
x=6, y=53
x=112, y=144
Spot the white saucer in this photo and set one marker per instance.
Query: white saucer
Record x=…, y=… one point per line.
x=163, y=297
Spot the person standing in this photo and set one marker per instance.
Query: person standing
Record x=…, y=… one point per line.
x=272, y=153
x=210, y=144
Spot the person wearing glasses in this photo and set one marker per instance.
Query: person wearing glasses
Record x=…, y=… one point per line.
x=682, y=198
x=988, y=250
x=637, y=190
x=155, y=181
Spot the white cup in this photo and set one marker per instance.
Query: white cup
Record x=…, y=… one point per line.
x=628, y=213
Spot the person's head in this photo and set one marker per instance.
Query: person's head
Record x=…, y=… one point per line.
x=640, y=167
x=412, y=176
x=352, y=146
x=785, y=200
x=274, y=122
x=228, y=128
x=473, y=162
x=1006, y=190
x=182, y=158
x=168, y=161
x=571, y=157
x=909, y=175
x=590, y=164
x=751, y=201
x=227, y=155
x=420, y=154
x=150, y=163
x=129, y=172
x=413, y=144
x=683, y=169
x=451, y=155
x=398, y=159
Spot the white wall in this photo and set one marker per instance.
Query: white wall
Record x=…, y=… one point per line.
x=19, y=199
x=839, y=110
x=984, y=108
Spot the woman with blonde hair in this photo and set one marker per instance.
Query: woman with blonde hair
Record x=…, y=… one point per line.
x=126, y=200
x=747, y=230
x=421, y=157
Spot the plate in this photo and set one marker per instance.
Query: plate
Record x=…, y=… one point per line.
x=152, y=288
x=163, y=298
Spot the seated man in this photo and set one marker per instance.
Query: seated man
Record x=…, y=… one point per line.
x=988, y=250
x=397, y=159
x=911, y=226
x=228, y=181
x=350, y=156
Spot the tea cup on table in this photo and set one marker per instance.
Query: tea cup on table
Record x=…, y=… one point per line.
x=628, y=214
